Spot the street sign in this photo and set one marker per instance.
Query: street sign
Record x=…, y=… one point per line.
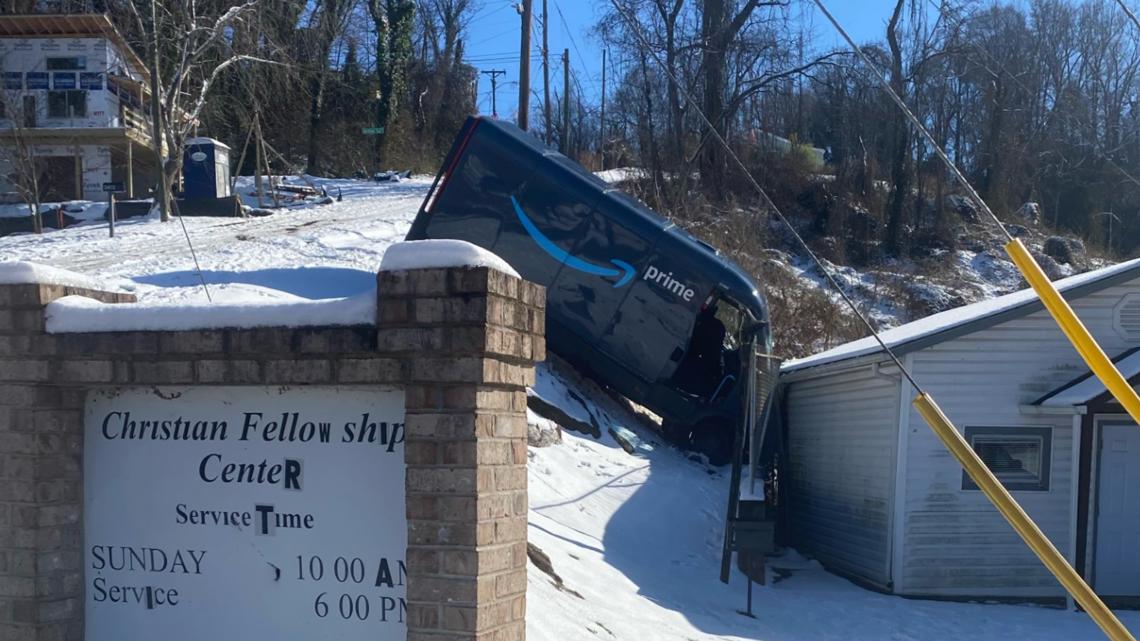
x=113, y=187
x=372, y=131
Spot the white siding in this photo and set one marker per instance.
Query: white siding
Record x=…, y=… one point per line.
x=955, y=543
x=31, y=54
x=841, y=440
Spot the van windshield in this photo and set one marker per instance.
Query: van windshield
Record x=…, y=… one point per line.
x=711, y=362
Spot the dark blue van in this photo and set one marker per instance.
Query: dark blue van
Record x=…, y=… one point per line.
x=633, y=300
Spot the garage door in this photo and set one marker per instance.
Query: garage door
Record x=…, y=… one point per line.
x=1118, y=511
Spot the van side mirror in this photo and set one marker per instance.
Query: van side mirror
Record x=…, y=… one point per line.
x=677, y=354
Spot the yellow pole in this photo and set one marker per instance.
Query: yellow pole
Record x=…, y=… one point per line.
x=1074, y=329
x=1016, y=516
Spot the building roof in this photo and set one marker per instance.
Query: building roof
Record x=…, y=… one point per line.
x=953, y=323
x=73, y=25
x=202, y=140
x=1085, y=388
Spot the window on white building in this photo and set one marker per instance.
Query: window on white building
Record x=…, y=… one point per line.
x=69, y=63
x=1019, y=457
x=71, y=103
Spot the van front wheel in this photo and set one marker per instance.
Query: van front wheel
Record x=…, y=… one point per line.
x=675, y=432
x=713, y=438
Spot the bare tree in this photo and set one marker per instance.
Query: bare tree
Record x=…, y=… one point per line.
x=328, y=21
x=393, y=20
x=900, y=138
x=719, y=28
x=23, y=170
x=188, y=49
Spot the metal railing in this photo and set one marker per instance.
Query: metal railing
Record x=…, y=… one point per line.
x=764, y=375
x=761, y=375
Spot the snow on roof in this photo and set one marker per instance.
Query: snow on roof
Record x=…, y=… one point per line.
x=944, y=321
x=72, y=314
x=16, y=272
x=428, y=254
x=202, y=140
x=1088, y=387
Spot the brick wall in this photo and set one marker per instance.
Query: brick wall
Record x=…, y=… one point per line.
x=462, y=342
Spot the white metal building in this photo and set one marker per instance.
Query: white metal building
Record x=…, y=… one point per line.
x=874, y=496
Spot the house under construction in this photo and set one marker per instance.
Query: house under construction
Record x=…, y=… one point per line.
x=72, y=109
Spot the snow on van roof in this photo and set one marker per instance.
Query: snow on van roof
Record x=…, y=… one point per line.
x=429, y=254
x=931, y=326
x=16, y=272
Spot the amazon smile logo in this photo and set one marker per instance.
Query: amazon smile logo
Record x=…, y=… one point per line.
x=624, y=272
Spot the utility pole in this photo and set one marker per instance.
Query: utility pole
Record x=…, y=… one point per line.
x=602, y=129
x=524, y=67
x=549, y=122
x=565, y=139
x=494, y=73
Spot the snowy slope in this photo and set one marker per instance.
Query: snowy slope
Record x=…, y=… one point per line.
x=636, y=536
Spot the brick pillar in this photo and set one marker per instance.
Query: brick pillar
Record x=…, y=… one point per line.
x=41, y=473
x=470, y=337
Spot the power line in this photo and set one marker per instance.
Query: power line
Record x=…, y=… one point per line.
x=494, y=73
x=1128, y=11
x=947, y=11
x=895, y=98
x=574, y=45
x=635, y=27
x=997, y=494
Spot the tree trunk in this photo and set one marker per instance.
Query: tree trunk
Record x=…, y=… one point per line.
x=715, y=64
x=651, y=133
x=316, y=106
x=163, y=194
x=669, y=17
x=900, y=142
x=994, y=176
x=34, y=210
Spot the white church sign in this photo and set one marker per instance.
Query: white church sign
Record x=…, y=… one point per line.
x=245, y=513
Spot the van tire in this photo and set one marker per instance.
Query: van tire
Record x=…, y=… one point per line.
x=675, y=432
x=713, y=438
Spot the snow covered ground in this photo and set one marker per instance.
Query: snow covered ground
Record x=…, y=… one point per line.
x=639, y=539
x=635, y=537
x=310, y=252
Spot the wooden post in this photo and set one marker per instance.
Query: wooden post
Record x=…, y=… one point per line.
x=548, y=123
x=566, y=102
x=110, y=212
x=78, y=174
x=602, y=127
x=524, y=68
x=130, y=169
x=257, y=161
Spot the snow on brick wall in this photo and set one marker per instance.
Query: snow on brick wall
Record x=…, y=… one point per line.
x=428, y=254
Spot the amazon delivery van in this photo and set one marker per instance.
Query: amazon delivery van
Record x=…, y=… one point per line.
x=633, y=300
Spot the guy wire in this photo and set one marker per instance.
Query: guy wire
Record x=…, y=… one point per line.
x=636, y=28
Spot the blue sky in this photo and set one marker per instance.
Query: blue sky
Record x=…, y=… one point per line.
x=493, y=42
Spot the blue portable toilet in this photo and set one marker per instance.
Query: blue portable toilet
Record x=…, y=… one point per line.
x=206, y=169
